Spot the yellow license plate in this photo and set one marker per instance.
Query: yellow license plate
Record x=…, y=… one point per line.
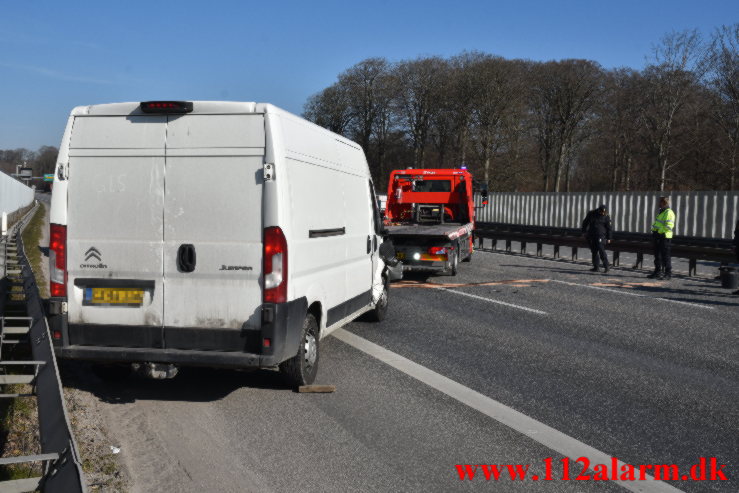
x=114, y=296
x=400, y=255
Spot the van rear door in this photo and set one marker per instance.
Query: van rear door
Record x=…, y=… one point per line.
x=212, y=225
x=115, y=227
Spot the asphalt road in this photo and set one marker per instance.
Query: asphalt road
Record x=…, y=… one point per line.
x=643, y=371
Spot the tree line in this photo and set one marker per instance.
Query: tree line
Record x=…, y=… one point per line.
x=567, y=125
x=41, y=161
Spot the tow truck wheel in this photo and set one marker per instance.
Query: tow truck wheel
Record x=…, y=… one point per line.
x=302, y=368
x=454, y=262
x=468, y=258
x=377, y=314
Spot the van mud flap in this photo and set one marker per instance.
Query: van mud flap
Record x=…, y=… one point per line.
x=282, y=323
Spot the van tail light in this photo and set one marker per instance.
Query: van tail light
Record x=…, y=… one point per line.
x=58, y=260
x=437, y=250
x=275, y=265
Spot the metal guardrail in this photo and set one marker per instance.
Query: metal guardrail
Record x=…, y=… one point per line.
x=691, y=248
x=27, y=324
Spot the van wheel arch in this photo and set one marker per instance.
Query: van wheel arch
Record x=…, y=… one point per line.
x=316, y=310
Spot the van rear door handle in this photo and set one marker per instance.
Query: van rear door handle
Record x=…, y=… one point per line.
x=186, y=258
x=369, y=244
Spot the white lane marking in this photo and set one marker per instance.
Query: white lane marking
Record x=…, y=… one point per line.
x=537, y=431
x=490, y=300
x=629, y=293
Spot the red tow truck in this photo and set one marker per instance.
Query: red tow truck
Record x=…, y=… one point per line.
x=430, y=216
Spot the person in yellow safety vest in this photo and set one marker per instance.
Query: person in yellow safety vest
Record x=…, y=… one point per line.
x=662, y=230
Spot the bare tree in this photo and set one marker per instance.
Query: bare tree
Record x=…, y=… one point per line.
x=564, y=95
x=11, y=158
x=676, y=67
x=723, y=78
x=497, y=93
x=386, y=119
x=417, y=99
x=444, y=115
x=618, y=115
x=360, y=84
x=44, y=161
x=329, y=109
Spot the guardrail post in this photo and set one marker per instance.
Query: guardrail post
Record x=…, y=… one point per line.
x=494, y=246
x=574, y=253
x=616, y=258
x=639, y=260
x=508, y=246
x=692, y=267
x=556, y=251
x=539, y=248
x=523, y=248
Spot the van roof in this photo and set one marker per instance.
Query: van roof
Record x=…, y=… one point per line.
x=199, y=107
x=203, y=108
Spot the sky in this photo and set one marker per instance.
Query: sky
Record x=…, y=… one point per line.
x=55, y=55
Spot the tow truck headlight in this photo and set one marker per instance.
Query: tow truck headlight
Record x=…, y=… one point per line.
x=417, y=256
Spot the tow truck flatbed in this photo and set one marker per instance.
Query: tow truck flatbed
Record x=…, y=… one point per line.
x=449, y=231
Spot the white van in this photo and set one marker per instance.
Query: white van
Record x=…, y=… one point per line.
x=210, y=234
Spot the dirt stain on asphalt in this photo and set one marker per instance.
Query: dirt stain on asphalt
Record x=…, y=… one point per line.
x=519, y=283
x=627, y=285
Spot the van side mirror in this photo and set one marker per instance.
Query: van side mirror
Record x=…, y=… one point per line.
x=387, y=252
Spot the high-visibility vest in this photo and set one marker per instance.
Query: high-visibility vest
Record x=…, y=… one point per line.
x=665, y=223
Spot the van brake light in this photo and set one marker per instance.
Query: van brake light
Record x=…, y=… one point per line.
x=58, y=260
x=166, y=106
x=275, y=265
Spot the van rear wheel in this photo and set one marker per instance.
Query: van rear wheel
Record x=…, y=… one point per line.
x=302, y=368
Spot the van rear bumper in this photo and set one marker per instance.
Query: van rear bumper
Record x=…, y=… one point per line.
x=282, y=324
x=185, y=357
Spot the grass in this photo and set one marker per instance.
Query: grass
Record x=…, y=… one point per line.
x=31, y=239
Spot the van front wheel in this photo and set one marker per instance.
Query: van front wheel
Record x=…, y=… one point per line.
x=302, y=368
x=377, y=314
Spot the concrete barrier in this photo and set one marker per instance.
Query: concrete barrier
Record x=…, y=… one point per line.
x=14, y=195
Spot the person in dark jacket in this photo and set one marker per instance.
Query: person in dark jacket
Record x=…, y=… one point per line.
x=597, y=230
x=736, y=247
